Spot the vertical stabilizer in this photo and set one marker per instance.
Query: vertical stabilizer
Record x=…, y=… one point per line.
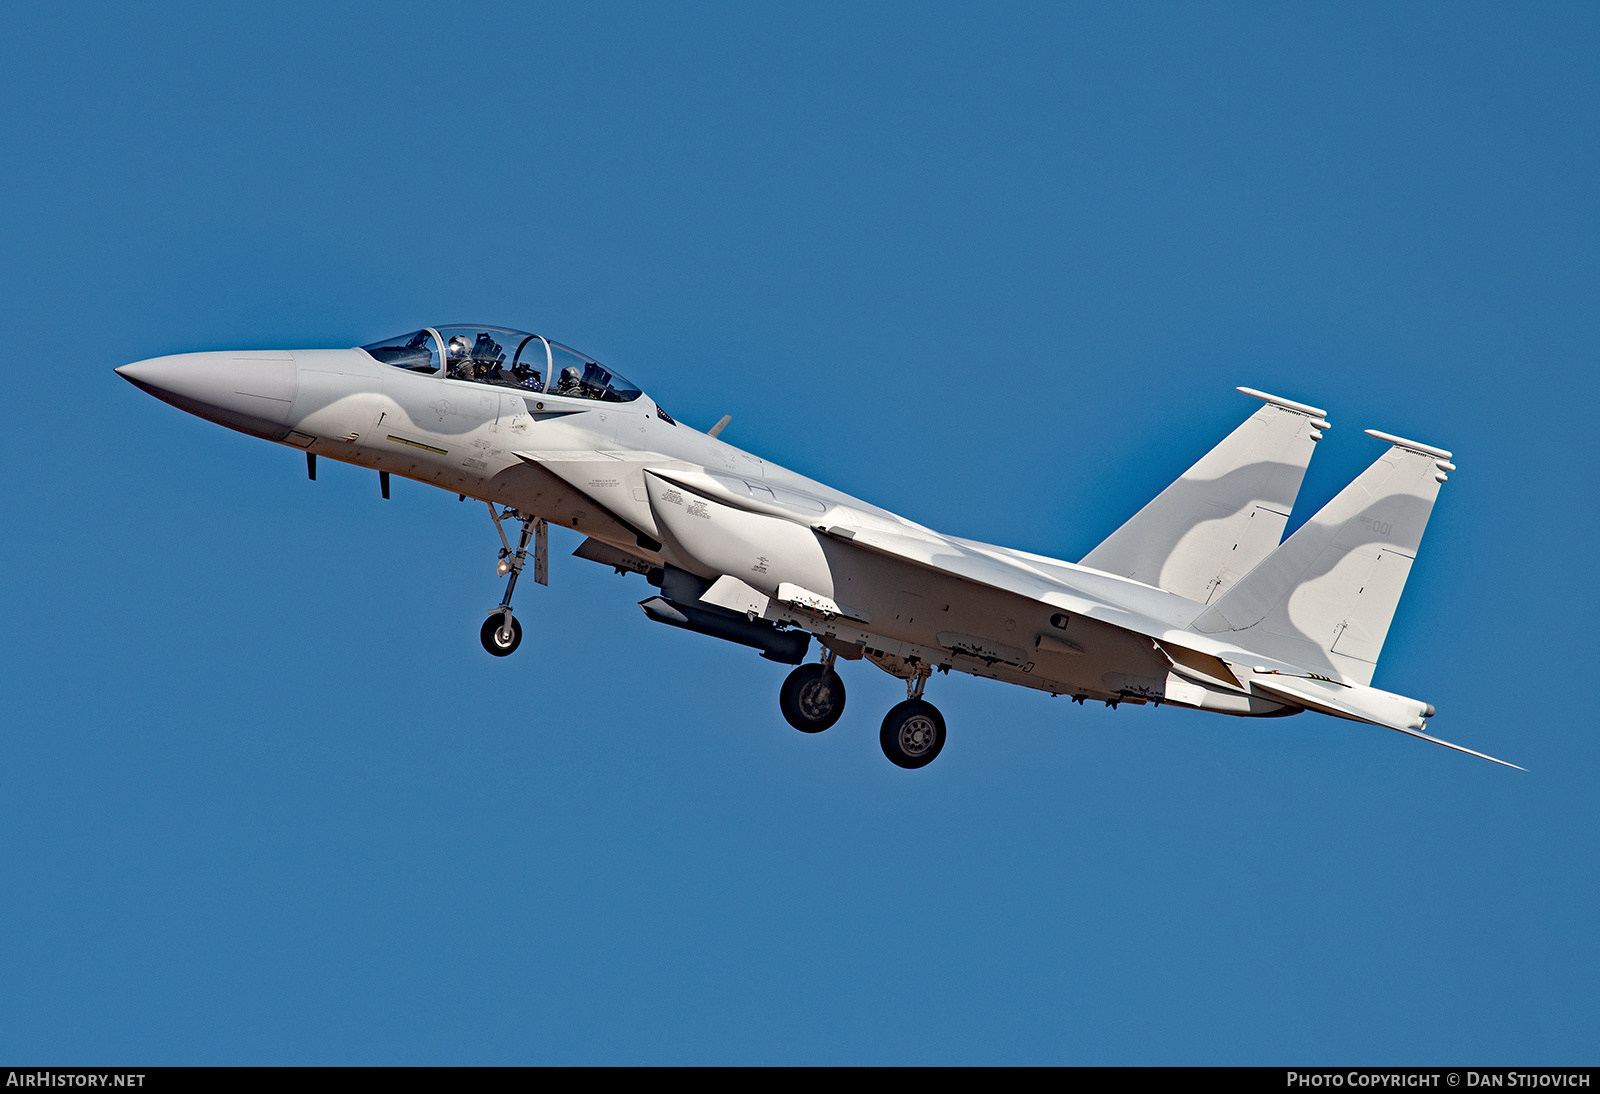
x=1227, y=512
x=1325, y=598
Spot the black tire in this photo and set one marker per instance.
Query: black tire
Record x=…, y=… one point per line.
x=912, y=734
x=809, y=702
x=489, y=635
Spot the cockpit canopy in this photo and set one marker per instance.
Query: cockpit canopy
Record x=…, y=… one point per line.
x=505, y=358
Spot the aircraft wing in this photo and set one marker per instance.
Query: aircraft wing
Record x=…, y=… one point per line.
x=990, y=566
x=1163, y=618
x=1105, y=598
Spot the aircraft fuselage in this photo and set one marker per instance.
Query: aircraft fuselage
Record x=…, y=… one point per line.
x=752, y=552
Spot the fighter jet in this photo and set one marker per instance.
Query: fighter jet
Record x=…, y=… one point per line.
x=1193, y=602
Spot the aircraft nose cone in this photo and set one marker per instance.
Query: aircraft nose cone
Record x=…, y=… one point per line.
x=245, y=390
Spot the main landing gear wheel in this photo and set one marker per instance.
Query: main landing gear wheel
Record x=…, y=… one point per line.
x=497, y=641
x=812, y=698
x=912, y=734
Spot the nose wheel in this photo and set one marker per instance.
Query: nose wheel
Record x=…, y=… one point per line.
x=501, y=634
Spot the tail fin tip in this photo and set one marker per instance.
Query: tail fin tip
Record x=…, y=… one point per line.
x=1411, y=446
x=1289, y=404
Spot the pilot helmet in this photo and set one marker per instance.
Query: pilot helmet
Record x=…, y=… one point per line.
x=459, y=346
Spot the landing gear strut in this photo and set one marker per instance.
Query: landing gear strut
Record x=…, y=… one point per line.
x=813, y=696
x=501, y=634
x=913, y=731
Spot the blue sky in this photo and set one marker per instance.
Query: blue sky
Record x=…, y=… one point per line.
x=264, y=799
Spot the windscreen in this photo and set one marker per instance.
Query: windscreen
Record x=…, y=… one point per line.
x=505, y=358
x=414, y=352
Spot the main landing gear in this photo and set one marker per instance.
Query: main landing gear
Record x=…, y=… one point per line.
x=813, y=696
x=501, y=634
x=913, y=731
x=812, y=699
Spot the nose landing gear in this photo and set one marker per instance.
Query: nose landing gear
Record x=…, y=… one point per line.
x=494, y=635
x=501, y=634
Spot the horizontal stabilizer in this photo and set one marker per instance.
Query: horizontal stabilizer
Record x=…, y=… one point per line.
x=1226, y=513
x=1325, y=598
x=1357, y=703
x=1481, y=755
